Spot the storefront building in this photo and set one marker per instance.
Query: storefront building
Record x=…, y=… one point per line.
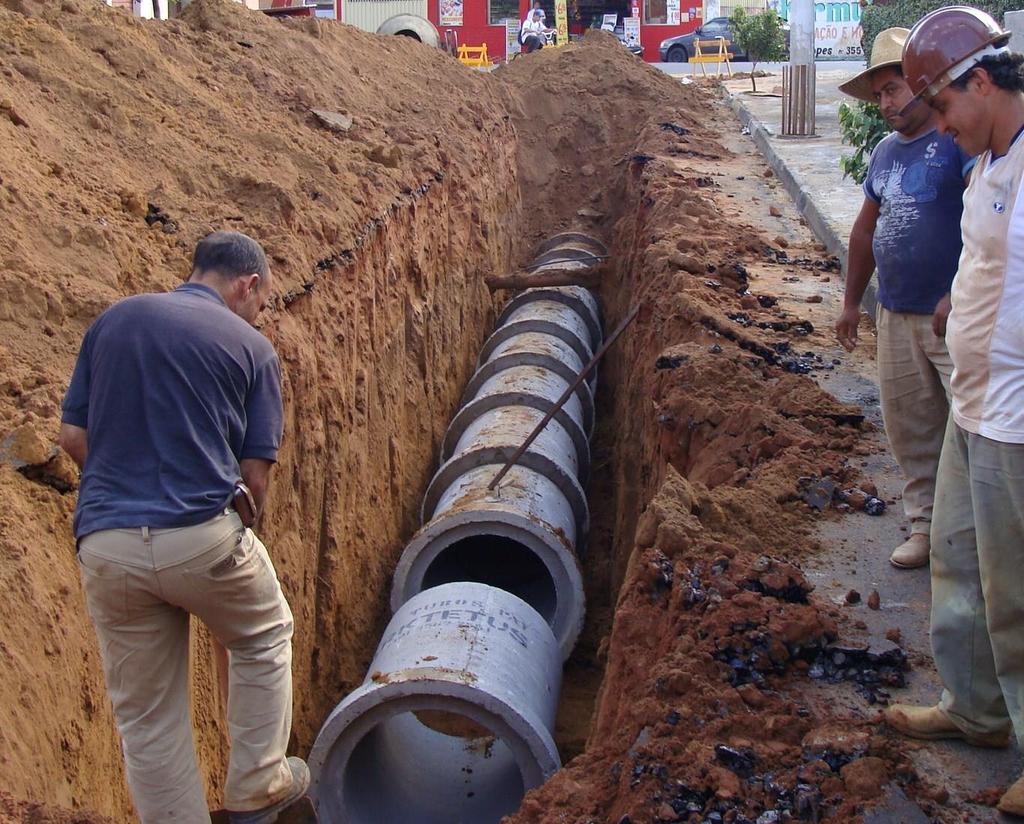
x=476, y=22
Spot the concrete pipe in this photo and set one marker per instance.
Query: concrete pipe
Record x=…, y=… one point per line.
x=532, y=386
x=548, y=316
x=573, y=239
x=454, y=719
x=520, y=537
x=580, y=300
x=565, y=254
x=413, y=26
x=536, y=349
x=493, y=438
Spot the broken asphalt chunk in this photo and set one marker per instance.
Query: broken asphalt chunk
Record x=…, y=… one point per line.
x=335, y=121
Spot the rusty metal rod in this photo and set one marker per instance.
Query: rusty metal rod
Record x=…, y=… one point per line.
x=582, y=376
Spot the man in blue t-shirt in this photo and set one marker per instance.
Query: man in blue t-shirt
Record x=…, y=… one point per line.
x=909, y=228
x=174, y=415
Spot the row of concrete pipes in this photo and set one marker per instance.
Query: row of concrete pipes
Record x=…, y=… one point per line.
x=454, y=721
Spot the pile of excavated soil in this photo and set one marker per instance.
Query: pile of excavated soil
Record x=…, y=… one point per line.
x=123, y=142
x=578, y=114
x=703, y=715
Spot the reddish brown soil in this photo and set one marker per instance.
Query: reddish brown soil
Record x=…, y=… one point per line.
x=380, y=238
x=708, y=526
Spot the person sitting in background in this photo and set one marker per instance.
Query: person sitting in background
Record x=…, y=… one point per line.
x=533, y=31
x=536, y=6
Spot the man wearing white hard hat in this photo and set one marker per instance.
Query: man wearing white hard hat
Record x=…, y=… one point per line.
x=957, y=60
x=909, y=229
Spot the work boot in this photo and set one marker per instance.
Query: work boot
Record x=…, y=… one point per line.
x=268, y=815
x=912, y=553
x=932, y=724
x=1012, y=802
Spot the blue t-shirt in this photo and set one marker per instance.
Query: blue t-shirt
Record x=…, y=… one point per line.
x=919, y=185
x=174, y=389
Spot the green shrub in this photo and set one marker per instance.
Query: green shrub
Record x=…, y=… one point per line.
x=862, y=126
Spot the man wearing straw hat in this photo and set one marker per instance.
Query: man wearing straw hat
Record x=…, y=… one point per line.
x=909, y=228
x=959, y=62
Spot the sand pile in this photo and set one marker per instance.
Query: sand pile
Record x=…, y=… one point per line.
x=579, y=112
x=121, y=143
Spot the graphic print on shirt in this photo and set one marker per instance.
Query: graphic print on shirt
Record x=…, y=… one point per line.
x=918, y=186
x=902, y=190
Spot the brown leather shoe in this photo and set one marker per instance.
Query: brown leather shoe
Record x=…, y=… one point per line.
x=932, y=724
x=1012, y=801
x=912, y=553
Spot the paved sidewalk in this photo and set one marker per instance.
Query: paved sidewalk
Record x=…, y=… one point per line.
x=807, y=167
x=857, y=546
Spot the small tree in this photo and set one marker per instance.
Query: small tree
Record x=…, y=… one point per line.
x=760, y=36
x=862, y=126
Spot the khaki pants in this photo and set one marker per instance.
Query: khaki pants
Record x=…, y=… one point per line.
x=977, y=592
x=913, y=379
x=140, y=587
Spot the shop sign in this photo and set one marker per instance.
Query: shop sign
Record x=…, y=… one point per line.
x=609, y=21
x=451, y=13
x=512, y=45
x=561, y=22
x=673, y=12
x=631, y=30
x=837, y=28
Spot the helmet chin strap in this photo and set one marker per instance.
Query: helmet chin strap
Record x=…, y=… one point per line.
x=910, y=107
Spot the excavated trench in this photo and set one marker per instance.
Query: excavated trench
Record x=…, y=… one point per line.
x=382, y=238
x=487, y=598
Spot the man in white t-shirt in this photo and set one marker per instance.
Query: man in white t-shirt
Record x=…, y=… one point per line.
x=957, y=60
x=533, y=31
x=535, y=6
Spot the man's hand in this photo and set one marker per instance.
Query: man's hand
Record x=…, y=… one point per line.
x=846, y=327
x=256, y=476
x=940, y=317
x=75, y=441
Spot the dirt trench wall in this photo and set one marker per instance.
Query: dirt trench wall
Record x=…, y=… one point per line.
x=121, y=144
x=376, y=358
x=710, y=439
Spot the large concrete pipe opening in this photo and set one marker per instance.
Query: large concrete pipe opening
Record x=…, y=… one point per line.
x=402, y=770
x=500, y=562
x=454, y=720
x=526, y=528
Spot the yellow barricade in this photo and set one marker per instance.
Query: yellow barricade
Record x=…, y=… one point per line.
x=474, y=55
x=720, y=55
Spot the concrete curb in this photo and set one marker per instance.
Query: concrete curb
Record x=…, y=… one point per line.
x=817, y=219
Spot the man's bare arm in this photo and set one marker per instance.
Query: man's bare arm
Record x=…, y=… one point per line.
x=75, y=441
x=256, y=476
x=860, y=267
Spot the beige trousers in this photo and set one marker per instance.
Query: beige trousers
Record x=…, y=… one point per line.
x=914, y=368
x=140, y=587
x=977, y=594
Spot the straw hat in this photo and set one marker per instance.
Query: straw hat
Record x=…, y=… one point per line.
x=886, y=52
